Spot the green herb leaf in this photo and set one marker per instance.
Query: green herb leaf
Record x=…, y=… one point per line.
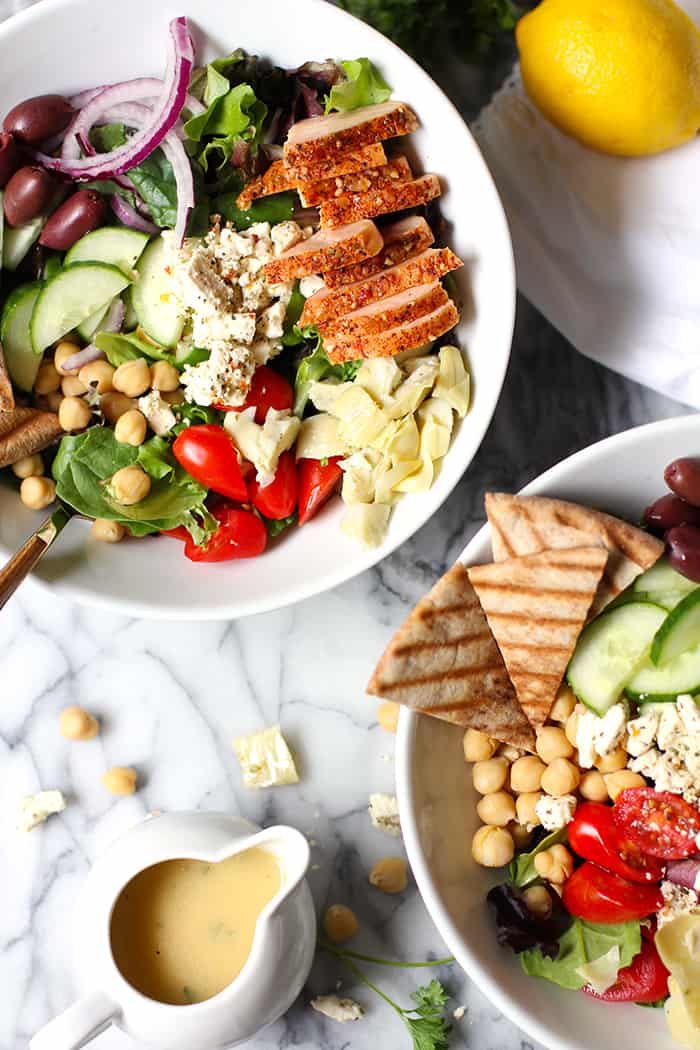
x=155, y=458
x=522, y=869
x=279, y=207
x=275, y=528
x=364, y=86
x=582, y=943
x=426, y=1022
x=193, y=415
x=120, y=348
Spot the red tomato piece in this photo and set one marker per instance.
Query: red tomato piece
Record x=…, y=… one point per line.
x=594, y=836
x=241, y=534
x=268, y=389
x=660, y=823
x=645, y=980
x=178, y=533
x=208, y=454
x=318, y=480
x=278, y=499
x=597, y=895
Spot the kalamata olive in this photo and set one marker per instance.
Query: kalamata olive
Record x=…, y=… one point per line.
x=27, y=194
x=668, y=511
x=39, y=118
x=10, y=158
x=683, y=477
x=82, y=212
x=683, y=544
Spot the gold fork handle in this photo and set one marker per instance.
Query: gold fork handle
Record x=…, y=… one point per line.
x=30, y=553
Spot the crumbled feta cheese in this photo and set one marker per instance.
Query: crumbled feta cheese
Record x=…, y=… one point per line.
x=556, y=813
x=270, y=324
x=677, y=901
x=674, y=764
x=670, y=727
x=459, y=1013
x=337, y=1009
x=641, y=733
x=222, y=380
x=689, y=713
x=34, y=809
x=285, y=235
x=308, y=286
x=585, y=738
x=384, y=813
x=610, y=729
x=158, y=412
x=265, y=759
x=263, y=445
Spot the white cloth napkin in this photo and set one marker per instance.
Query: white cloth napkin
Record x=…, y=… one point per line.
x=607, y=248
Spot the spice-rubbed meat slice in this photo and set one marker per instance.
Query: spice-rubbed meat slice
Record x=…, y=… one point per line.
x=380, y=201
x=394, y=171
x=323, y=138
x=371, y=156
x=425, y=268
x=280, y=177
x=276, y=179
x=324, y=250
x=402, y=239
x=387, y=313
x=395, y=340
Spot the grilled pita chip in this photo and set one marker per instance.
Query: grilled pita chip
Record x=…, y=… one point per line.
x=444, y=662
x=536, y=607
x=7, y=398
x=528, y=524
x=24, y=431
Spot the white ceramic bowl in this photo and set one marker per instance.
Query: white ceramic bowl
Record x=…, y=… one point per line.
x=66, y=45
x=622, y=474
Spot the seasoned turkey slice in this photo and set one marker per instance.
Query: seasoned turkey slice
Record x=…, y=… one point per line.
x=394, y=171
x=380, y=201
x=342, y=164
x=323, y=138
x=324, y=250
x=276, y=179
x=328, y=304
x=387, y=313
x=402, y=239
x=394, y=340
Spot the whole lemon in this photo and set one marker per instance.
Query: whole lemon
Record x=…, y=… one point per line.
x=621, y=76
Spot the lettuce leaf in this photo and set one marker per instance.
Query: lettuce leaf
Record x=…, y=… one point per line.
x=232, y=114
x=582, y=943
x=119, y=348
x=364, y=86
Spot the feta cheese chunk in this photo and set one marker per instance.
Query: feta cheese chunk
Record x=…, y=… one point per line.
x=265, y=759
x=677, y=901
x=35, y=809
x=384, y=813
x=585, y=738
x=222, y=380
x=337, y=1009
x=285, y=235
x=308, y=286
x=610, y=729
x=641, y=733
x=671, y=728
x=689, y=713
x=263, y=445
x=556, y=813
x=158, y=412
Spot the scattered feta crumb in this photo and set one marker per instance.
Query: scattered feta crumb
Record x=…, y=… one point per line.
x=308, y=286
x=384, y=813
x=158, y=412
x=34, y=809
x=556, y=813
x=674, y=764
x=265, y=759
x=337, y=1009
x=459, y=1013
x=641, y=733
x=585, y=738
x=285, y=235
x=610, y=730
x=677, y=901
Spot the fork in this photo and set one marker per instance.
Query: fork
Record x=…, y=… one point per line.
x=32, y=551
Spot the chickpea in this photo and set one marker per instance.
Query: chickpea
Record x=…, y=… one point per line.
x=63, y=351
x=526, y=774
x=107, y=531
x=72, y=387
x=114, y=406
x=521, y=835
x=492, y=847
x=571, y=727
x=53, y=400
x=593, y=787
x=490, y=775
x=97, y=374
x=510, y=753
x=164, y=377
x=563, y=706
x=47, y=378
x=133, y=378
x=497, y=808
x=75, y=723
x=478, y=746
x=554, y=864
x=28, y=467
x=552, y=743
x=130, y=485
x=120, y=780
x=388, y=715
x=390, y=875
x=37, y=493
x=340, y=923
x=621, y=779
x=613, y=762
x=173, y=397
x=131, y=428
x=525, y=807
x=74, y=413
x=538, y=901
x=561, y=777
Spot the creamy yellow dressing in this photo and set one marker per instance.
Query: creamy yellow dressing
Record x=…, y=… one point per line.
x=183, y=929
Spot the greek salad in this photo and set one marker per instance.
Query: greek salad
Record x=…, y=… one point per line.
x=223, y=303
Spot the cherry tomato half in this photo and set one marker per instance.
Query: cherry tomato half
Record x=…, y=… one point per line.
x=241, y=534
x=208, y=454
x=594, y=836
x=597, y=895
x=268, y=389
x=318, y=480
x=660, y=823
x=278, y=499
x=645, y=980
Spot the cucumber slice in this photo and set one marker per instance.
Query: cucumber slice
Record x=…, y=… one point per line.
x=661, y=684
x=679, y=632
x=157, y=309
x=22, y=363
x=130, y=319
x=71, y=297
x=52, y=266
x=609, y=652
x=651, y=707
x=87, y=328
x=662, y=580
x=114, y=245
x=17, y=241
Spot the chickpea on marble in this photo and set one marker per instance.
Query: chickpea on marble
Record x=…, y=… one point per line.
x=107, y=531
x=120, y=780
x=390, y=875
x=340, y=923
x=75, y=723
x=388, y=715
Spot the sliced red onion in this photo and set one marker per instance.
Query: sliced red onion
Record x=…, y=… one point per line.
x=115, y=317
x=130, y=217
x=684, y=872
x=240, y=153
x=82, y=357
x=184, y=182
x=153, y=88
x=83, y=97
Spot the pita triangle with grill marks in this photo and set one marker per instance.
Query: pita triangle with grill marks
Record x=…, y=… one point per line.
x=443, y=661
x=536, y=607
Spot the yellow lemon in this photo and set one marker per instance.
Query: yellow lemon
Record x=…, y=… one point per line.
x=621, y=76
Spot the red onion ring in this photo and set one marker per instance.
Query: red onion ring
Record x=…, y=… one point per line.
x=82, y=357
x=130, y=217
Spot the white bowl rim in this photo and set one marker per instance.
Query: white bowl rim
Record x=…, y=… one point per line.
x=153, y=609
x=465, y=956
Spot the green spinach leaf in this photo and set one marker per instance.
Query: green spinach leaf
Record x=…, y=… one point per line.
x=155, y=181
x=106, y=137
x=364, y=86
x=582, y=943
x=277, y=208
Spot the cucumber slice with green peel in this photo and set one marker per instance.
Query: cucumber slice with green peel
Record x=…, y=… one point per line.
x=679, y=632
x=17, y=240
x=22, y=363
x=52, y=265
x=71, y=297
x=114, y=245
x=609, y=652
x=130, y=319
x=91, y=325
x=662, y=579
x=157, y=308
x=663, y=684
x=652, y=707
x=667, y=600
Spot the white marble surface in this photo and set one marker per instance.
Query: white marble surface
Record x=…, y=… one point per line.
x=171, y=697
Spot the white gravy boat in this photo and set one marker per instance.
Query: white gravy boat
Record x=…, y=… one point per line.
x=272, y=977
